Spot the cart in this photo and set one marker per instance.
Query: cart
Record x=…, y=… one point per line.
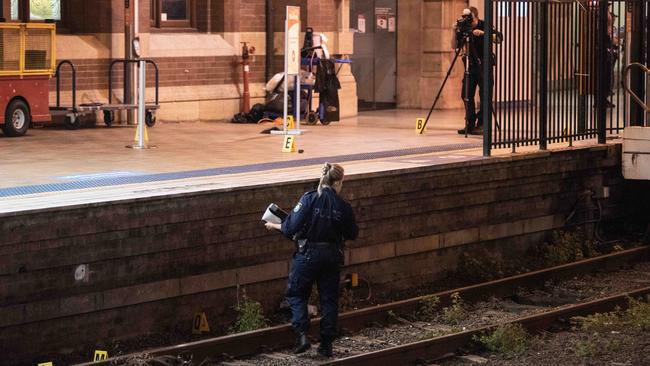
x=313, y=116
x=73, y=112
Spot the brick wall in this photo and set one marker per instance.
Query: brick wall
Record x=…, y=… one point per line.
x=323, y=15
x=92, y=74
x=252, y=16
x=170, y=257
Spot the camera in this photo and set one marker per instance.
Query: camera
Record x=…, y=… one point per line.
x=464, y=23
x=463, y=27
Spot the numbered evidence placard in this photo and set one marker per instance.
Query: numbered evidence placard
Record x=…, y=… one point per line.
x=200, y=324
x=419, y=126
x=100, y=355
x=289, y=144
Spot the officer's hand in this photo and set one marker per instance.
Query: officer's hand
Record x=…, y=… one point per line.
x=478, y=32
x=271, y=226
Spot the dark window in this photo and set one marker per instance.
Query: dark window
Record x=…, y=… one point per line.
x=171, y=13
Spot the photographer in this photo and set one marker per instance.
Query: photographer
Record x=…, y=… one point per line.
x=469, y=34
x=320, y=223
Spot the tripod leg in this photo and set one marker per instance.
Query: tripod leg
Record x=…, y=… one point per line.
x=496, y=121
x=440, y=90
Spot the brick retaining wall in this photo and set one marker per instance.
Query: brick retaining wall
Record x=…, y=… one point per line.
x=154, y=262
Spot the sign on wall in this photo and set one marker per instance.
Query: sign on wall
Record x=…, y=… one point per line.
x=39, y=9
x=293, y=40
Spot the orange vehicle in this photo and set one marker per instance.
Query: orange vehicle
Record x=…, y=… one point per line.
x=27, y=63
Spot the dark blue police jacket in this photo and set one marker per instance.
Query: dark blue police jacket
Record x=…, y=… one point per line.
x=325, y=218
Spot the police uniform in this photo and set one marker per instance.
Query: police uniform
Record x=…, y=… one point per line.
x=319, y=224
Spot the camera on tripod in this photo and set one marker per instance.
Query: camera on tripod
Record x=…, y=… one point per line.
x=463, y=28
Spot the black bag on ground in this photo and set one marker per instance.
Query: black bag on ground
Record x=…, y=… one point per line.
x=256, y=113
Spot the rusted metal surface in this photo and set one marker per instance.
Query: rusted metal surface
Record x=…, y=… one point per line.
x=255, y=342
x=437, y=347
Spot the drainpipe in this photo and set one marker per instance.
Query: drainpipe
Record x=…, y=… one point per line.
x=269, y=40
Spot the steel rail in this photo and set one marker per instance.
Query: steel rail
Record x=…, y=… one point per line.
x=436, y=348
x=263, y=340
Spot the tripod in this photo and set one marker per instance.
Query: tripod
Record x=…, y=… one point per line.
x=465, y=48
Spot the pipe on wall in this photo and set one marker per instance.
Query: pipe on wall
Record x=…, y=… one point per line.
x=270, y=46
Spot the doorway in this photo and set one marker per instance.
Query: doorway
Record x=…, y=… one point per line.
x=374, y=63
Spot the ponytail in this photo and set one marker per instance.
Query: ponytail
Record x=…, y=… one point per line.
x=331, y=174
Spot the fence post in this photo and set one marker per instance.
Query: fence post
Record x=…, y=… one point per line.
x=602, y=65
x=486, y=97
x=543, y=75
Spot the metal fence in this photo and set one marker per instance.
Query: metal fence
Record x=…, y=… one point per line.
x=558, y=72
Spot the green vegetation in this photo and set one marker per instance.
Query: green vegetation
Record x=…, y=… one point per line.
x=439, y=333
x=636, y=317
x=586, y=349
x=507, y=339
x=428, y=308
x=250, y=316
x=483, y=265
x=454, y=313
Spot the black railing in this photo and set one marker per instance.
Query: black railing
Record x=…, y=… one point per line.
x=125, y=62
x=57, y=75
x=559, y=70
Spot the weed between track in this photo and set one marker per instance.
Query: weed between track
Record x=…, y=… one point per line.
x=250, y=316
x=508, y=339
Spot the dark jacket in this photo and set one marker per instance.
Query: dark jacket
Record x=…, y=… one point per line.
x=476, y=45
x=325, y=218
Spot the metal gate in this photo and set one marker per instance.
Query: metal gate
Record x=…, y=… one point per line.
x=559, y=70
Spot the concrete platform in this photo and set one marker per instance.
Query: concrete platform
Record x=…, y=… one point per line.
x=53, y=166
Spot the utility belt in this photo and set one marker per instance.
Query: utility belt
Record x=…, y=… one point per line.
x=303, y=245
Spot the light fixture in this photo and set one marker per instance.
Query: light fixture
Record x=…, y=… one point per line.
x=136, y=47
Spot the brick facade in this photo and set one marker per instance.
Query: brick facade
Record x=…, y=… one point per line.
x=173, y=71
x=218, y=27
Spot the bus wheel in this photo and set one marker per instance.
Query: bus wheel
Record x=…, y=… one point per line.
x=17, y=119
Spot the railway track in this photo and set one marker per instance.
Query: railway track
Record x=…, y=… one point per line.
x=266, y=342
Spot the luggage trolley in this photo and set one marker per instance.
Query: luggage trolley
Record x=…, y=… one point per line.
x=73, y=112
x=313, y=116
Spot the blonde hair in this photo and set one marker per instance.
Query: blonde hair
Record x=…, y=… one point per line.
x=331, y=174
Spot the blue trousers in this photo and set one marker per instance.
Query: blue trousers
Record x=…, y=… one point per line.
x=323, y=266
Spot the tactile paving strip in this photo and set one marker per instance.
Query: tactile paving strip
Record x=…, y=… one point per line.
x=158, y=177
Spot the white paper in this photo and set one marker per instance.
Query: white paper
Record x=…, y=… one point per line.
x=362, y=24
x=270, y=217
x=382, y=22
x=391, y=24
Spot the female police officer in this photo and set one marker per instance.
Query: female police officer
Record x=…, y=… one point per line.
x=320, y=223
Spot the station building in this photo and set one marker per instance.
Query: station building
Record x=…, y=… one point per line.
x=400, y=51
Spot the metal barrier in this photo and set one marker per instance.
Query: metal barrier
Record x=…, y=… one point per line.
x=626, y=84
x=125, y=62
x=27, y=49
x=57, y=75
x=558, y=75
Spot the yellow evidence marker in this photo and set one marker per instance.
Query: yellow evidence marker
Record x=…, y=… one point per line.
x=354, y=280
x=46, y=364
x=100, y=355
x=419, y=126
x=291, y=124
x=289, y=144
x=200, y=324
x=137, y=135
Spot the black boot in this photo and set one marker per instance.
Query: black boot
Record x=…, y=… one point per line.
x=325, y=348
x=469, y=127
x=302, y=344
